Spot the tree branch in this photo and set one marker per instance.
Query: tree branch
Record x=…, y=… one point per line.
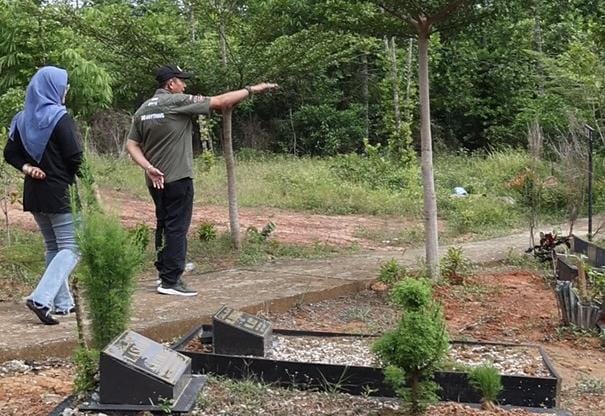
x=446, y=11
x=404, y=17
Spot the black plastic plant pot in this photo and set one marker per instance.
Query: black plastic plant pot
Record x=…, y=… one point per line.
x=525, y=391
x=565, y=270
x=594, y=252
x=579, y=245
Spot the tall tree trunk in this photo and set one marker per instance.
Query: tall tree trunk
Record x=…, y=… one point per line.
x=231, y=180
x=408, y=83
x=222, y=43
x=428, y=183
x=365, y=92
x=395, y=81
x=228, y=153
x=192, y=22
x=538, y=42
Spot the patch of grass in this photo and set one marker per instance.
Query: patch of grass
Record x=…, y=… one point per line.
x=475, y=291
x=574, y=332
x=218, y=253
x=312, y=185
x=587, y=385
x=487, y=380
x=391, y=272
x=21, y=263
x=358, y=313
x=409, y=236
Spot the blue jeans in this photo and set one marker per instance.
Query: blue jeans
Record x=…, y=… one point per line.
x=62, y=257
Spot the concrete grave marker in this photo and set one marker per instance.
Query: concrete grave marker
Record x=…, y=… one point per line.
x=239, y=333
x=137, y=370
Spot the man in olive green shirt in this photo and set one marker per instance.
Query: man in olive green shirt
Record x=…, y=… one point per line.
x=160, y=141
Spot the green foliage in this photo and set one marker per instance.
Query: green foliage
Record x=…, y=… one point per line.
x=487, y=380
x=206, y=231
x=391, y=272
x=11, y=102
x=140, y=236
x=378, y=170
x=324, y=130
x=109, y=259
x=166, y=405
x=412, y=294
x=90, y=84
x=454, y=265
x=205, y=162
x=87, y=366
x=416, y=348
x=588, y=385
x=479, y=214
x=21, y=262
x=255, y=236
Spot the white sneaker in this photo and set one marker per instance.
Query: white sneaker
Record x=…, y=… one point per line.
x=189, y=267
x=178, y=289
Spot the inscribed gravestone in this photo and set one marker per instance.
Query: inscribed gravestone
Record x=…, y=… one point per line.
x=239, y=333
x=137, y=370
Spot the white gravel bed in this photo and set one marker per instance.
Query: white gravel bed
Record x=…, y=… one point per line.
x=357, y=351
x=352, y=351
x=513, y=360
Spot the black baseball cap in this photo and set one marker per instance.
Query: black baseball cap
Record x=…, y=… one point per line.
x=165, y=72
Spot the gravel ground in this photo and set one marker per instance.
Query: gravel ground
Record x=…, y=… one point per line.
x=357, y=351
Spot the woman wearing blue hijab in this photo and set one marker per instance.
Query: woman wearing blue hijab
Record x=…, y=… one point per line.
x=44, y=145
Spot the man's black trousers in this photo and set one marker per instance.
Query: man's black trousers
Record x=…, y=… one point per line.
x=173, y=210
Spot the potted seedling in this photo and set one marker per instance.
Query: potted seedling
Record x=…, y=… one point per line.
x=487, y=381
x=588, y=307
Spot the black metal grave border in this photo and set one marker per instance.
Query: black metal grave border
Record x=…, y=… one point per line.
x=525, y=391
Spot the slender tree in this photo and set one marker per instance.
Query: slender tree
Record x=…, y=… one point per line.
x=425, y=18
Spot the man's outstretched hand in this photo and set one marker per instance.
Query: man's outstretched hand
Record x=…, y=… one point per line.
x=263, y=87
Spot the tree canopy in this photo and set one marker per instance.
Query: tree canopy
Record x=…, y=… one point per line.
x=494, y=67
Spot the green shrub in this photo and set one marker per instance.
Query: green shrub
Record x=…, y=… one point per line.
x=206, y=231
x=478, y=214
x=324, y=130
x=378, y=170
x=487, y=380
x=454, y=266
x=205, y=162
x=87, y=364
x=416, y=348
x=391, y=272
x=110, y=258
x=11, y=102
x=140, y=236
x=412, y=294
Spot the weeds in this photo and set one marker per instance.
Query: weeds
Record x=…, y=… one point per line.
x=87, y=365
x=391, y=272
x=358, y=313
x=324, y=186
x=21, y=262
x=206, y=232
x=454, y=266
x=587, y=385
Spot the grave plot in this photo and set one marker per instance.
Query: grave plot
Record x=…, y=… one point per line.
x=328, y=361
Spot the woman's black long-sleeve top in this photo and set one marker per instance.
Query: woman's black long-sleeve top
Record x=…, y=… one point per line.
x=60, y=161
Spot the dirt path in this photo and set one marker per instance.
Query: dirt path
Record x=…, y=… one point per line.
x=292, y=227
